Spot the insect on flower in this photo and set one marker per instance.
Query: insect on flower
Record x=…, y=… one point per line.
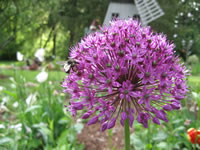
x=67, y=65
x=125, y=71
x=193, y=136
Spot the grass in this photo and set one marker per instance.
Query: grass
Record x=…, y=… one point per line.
x=7, y=63
x=31, y=75
x=195, y=69
x=194, y=79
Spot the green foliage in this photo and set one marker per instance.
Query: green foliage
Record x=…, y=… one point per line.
x=176, y=22
x=33, y=114
x=171, y=135
x=165, y=24
x=193, y=59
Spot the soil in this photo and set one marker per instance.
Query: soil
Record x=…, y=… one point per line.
x=94, y=139
x=3, y=76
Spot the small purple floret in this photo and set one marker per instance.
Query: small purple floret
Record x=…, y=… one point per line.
x=93, y=120
x=111, y=123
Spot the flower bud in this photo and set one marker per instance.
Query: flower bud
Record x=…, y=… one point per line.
x=111, y=124
x=93, y=120
x=104, y=126
x=167, y=107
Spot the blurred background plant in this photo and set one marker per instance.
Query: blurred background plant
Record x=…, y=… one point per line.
x=32, y=115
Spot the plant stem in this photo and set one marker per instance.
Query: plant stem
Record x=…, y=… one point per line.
x=127, y=135
x=110, y=139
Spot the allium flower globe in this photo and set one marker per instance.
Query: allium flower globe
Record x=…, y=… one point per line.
x=125, y=71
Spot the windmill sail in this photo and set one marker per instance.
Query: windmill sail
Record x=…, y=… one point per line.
x=149, y=10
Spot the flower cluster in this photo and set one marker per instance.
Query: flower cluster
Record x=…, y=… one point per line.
x=125, y=71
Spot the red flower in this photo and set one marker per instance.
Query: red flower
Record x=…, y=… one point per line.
x=194, y=136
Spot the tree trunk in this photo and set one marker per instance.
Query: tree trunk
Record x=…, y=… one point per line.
x=54, y=44
x=49, y=37
x=72, y=28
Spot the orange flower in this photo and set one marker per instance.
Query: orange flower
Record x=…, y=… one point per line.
x=194, y=136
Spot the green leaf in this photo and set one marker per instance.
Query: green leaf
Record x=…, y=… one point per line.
x=63, y=147
x=32, y=108
x=162, y=145
x=63, y=138
x=160, y=136
x=177, y=121
x=78, y=127
x=51, y=123
x=181, y=128
x=10, y=93
x=6, y=140
x=137, y=142
x=46, y=134
x=63, y=121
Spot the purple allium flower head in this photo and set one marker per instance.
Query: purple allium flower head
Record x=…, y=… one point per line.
x=125, y=71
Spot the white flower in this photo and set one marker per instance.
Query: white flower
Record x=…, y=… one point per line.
x=195, y=94
x=30, y=84
x=2, y=126
x=12, y=79
x=28, y=129
x=3, y=108
x=79, y=120
x=189, y=14
x=40, y=54
x=175, y=21
x=13, y=86
x=55, y=92
x=20, y=56
x=1, y=88
x=5, y=100
x=42, y=77
x=17, y=127
x=15, y=104
x=175, y=35
x=78, y=127
x=39, y=125
x=31, y=99
x=181, y=14
x=192, y=109
x=175, y=26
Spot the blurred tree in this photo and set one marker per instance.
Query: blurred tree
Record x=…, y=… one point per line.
x=8, y=26
x=180, y=22
x=54, y=25
x=165, y=23
x=78, y=14
x=186, y=23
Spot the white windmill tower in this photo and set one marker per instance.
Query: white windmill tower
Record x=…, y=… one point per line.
x=146, y=10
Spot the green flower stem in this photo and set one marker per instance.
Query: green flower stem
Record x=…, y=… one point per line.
x=110, y=139
x=127, y=135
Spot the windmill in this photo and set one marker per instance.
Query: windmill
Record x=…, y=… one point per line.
x=145, y=10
